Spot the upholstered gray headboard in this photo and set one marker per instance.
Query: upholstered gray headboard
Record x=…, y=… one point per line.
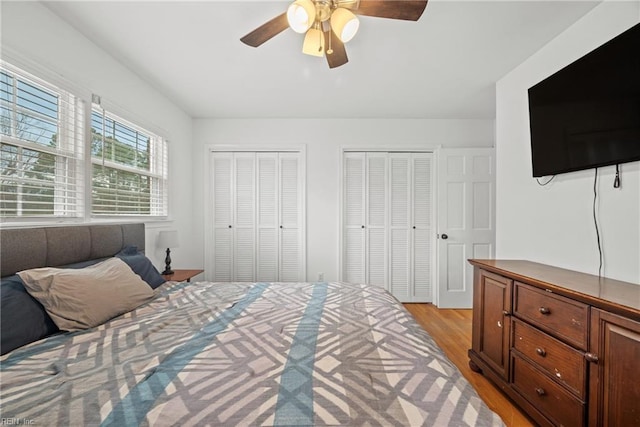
x=25, y=248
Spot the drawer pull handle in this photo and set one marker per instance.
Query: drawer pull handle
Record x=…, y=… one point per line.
x=499, y=324
x=591, y=357
x=540, y=391
x=505, y=313
x=541, y=352
x=545, y=310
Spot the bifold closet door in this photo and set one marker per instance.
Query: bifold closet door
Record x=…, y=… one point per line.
x=279, y=217
x=290, y=204
x=387, y=222
x=353, y=255
x=257, y=209
x=365, y=194
x=234, y=216
x=399, y=226
x=410, y=230
x=422, y=242
x=223, y=217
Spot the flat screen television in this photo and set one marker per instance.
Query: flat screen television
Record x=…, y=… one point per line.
x=587, y=114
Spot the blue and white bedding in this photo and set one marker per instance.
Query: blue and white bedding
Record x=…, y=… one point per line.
x=240, y=354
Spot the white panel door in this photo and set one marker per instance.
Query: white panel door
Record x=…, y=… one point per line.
x=466, y=218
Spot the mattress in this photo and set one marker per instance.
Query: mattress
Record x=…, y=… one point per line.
x=244, y=354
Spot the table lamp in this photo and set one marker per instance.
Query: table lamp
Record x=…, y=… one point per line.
x=168, y=239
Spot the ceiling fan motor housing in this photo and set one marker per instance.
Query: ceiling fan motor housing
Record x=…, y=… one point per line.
x=323, y=9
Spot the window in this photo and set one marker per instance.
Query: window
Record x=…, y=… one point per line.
x=41, y=152
x=42, y=156
x=129, y=173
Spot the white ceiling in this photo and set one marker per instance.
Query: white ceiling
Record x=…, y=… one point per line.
x=443, y=66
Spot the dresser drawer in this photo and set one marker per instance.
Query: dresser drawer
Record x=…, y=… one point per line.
x=562, y=362
x=556, y=403
x=560, y=316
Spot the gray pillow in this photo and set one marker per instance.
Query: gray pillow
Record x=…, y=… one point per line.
x=77, y=299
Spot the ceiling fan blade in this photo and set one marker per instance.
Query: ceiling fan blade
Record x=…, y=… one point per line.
x=338, y=55
x=266, y=31
x=409, y=10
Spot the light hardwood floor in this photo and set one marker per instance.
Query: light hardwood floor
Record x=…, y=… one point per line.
x=451, y=329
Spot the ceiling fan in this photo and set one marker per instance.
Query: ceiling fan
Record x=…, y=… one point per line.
x=328, y=24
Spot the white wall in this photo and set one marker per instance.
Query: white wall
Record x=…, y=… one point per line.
x=554, y=224
x=32, y=33
x=323, y=140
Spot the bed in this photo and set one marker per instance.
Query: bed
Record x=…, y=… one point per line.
x=224, y=354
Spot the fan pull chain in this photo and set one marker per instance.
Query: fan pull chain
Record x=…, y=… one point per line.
x=330, y=50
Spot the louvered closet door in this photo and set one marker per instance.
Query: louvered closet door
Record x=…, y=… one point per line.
x=244, y=208
x=365, y=199
x=410, y=226
x=279, y=254
x=222, y=217
x=234, y=216
x=290, y=218
x=422, y=227
x=375, y=225
x=399, y=225
x=387, y=221
x=353, y=260
x=258, y=216
x=267, y=221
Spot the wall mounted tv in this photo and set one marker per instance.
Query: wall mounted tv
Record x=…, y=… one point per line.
x=587, y=115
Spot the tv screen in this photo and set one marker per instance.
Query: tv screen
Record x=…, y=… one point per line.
x=587, y=115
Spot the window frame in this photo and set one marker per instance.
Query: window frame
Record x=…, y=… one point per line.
x=14, y=63
x=68, y=188
x=158, y=165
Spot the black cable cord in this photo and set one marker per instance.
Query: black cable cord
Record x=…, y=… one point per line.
x=541, y=184
x=595, y=221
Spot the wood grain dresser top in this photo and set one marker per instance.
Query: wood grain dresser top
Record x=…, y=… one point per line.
x=608, y=294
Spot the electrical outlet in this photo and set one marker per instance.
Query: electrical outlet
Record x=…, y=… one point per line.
x=320, y=277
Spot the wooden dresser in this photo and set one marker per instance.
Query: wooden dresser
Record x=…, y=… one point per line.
x=564, y=345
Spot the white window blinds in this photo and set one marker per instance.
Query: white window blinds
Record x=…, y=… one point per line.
x=45, y=147
x=41, y=148
x=129, y=168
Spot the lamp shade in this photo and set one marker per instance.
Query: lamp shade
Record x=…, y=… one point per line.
x=301, y=15
x=168, y=239
x=313, y=43
x=344, y=23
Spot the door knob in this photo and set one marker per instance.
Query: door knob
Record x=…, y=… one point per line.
x=444, y=236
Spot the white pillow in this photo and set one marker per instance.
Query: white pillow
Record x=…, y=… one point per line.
x=82, y=298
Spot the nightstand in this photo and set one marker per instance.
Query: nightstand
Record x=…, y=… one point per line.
x=182, y=275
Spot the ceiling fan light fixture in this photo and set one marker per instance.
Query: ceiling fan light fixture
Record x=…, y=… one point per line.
x=345, y=24
x=313, y=43
x=301, y=15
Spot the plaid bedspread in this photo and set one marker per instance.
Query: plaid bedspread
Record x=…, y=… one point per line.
x=244, y=354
